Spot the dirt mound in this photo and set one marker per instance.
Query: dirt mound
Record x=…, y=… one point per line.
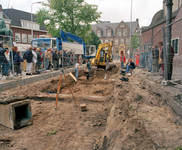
x=140, y=119
x=130, y=116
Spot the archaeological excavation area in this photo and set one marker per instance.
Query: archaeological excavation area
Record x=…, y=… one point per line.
x=120, y=115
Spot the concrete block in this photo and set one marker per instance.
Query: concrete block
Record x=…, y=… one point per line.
x=165, y=83
x=16, y=115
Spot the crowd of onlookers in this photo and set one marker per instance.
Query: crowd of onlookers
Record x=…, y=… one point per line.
x=154, y=59
x=32, y=61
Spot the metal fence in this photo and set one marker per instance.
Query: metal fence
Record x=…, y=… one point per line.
x=154, y=57
x=14, y=60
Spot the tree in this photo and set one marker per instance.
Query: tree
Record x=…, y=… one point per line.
x=95, y=40
x=135, y=41
x=74, y=16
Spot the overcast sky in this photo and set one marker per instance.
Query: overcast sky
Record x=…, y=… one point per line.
x=112, y=10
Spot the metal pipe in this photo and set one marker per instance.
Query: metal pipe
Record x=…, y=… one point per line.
x=130, y=29
x=12, y=60
x=32, y=16
x=168, y=36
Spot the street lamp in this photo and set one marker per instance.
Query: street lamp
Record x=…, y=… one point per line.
x=32, y=16
x=130, y=30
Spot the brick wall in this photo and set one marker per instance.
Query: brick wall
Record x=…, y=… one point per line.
x=25, y=31
x=176, y=33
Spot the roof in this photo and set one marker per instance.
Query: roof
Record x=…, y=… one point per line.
x=4, y=16
x=17, y=15
x=159, y=21
x=104, y=25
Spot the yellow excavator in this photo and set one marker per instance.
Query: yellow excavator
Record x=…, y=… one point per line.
x=103, y=58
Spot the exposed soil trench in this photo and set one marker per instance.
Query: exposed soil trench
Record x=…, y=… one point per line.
x=130, y=117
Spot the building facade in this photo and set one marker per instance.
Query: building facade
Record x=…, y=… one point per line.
x=159, y=21
x=119, y=33
x=20, y=23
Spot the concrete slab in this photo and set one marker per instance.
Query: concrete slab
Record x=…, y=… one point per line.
x=16, y=115
x=171, y=82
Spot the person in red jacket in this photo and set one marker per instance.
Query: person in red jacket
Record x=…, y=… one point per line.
x=122, y=59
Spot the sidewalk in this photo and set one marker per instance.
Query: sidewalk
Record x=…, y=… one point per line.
x=7, y=83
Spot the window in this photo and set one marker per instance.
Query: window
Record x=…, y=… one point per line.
x=24, y=38
x=116, y=50
x=54, y=44
x=127, y=41
x=119, y=32
x=98, y=33
x=125, y=32
x=106, y=41
x=102, y=41
x=1, y=14
x=17, y=37
x=121, y=25
x=26, y=24
x=137, y=40
x=122, y=41
x=35, y=36
x=29, y=38
x=7, y=26
x=175, y=43
x=116, y=41
x=111, y=40
x=108, y=33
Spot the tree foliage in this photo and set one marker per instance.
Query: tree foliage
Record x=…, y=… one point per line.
x=135, y=41
x=72, y=16
x=94, y=39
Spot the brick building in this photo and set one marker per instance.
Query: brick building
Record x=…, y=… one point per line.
x=159, y=21
x=20, y=23
x=119, y=33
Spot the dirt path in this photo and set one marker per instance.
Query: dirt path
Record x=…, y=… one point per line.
x=130, y=117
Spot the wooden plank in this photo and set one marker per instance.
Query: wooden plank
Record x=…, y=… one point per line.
x=73, y=76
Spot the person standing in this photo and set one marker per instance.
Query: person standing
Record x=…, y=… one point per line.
x=122, y=59
x=155, y=59
x=137, y=57
x=77, y=69
x=150, y=59
x=17, y=62
x=48, y=57
x=7, y=56
x=161, y=60
x=39, y=61
x=171, y=64
x=34, y=60
x=29, y=56
x=3, y=61
x=88, y=67
x=55, y=59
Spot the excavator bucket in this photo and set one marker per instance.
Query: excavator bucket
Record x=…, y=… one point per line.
x=109, y=65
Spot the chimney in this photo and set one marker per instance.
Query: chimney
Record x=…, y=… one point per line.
x=137, y=20
x=0, y=7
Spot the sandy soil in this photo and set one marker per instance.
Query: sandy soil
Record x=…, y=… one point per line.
x=131, y=117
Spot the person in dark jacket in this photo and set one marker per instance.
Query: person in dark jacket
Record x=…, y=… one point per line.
x=29, y=57
x=55, y=59
x=130, y=65
x=17, y=62
x=155, y=59
x=39, y=61
x=3, y=61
